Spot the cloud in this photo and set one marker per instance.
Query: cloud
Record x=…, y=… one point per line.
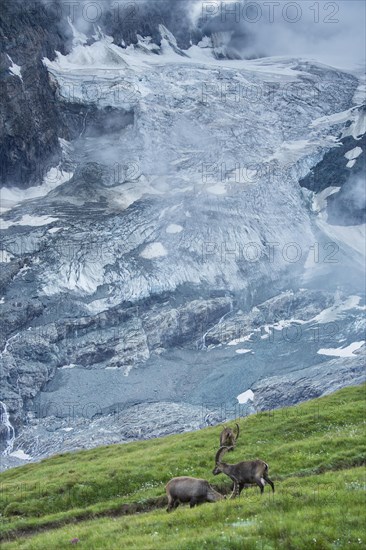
x=330, y=32
x=124, y=19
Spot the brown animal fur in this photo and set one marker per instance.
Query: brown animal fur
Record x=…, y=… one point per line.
x=243, y=473
x=228, y=437
x=192, y=490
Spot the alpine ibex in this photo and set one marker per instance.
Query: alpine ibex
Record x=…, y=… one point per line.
x=228, y=438
x=192, y=490
x=244, y=473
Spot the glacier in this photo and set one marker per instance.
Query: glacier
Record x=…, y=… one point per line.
x=171, y=261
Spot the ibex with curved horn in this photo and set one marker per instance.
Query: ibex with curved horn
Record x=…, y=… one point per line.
x=228, y=437
x=244, y=473
x=192, y=490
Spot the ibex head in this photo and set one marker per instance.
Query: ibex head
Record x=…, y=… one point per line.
x=228, y=437
x=218, y=462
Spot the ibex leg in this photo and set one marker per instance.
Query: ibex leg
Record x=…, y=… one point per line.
x=269, y=481
x=260, y=484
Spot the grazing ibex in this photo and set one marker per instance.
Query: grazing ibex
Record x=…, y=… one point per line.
x=192, y=490
x=244, y=473
x=228, y=438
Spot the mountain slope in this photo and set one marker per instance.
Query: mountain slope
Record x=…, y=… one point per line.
x=315, y=452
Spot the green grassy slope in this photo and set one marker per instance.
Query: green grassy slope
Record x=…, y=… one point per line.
x=315, y=451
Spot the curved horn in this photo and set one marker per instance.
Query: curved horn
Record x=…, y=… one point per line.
x=235, y=489
x=220, y=453
x=237, y=431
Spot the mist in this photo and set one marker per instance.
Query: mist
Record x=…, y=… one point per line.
x=329, y=32
x=125, y=19
x=348, y=206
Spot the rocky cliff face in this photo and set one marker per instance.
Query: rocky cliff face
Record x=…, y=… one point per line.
x=345, y=168
x=30, y=120
x=169, y=260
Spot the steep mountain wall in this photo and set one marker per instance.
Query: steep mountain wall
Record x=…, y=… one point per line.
x=30, y=123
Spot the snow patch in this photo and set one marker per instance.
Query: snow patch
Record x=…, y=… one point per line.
x=21, y=455
x=241, y=351
x=70, y=366
x=174, y=228
x=246, y=396
x=353, y=153
x=15, y=69
x=237, y=341
x=153, y=250
x=342, y=352
x=34, y=221
x=335, y=312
